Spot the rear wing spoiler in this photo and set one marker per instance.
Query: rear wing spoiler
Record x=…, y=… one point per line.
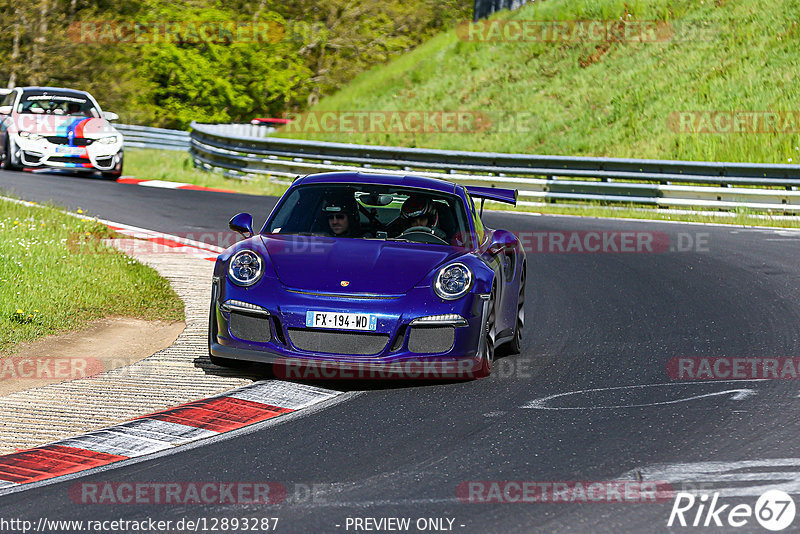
x=509, y=196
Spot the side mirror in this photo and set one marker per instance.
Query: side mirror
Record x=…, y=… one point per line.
x=243, y=224
x=110, y=116
x=5, y=110
x=502, y=240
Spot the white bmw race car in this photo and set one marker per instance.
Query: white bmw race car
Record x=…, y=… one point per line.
x=58, y=128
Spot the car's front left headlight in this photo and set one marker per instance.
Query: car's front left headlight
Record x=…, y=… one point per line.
x=110, y=140
x=30, y=135
x=453, y=281
x=245, y=268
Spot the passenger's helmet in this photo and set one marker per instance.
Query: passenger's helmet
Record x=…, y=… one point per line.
x=416, y=206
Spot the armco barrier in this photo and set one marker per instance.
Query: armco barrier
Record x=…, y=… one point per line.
x=714, y=185
x=147, y=137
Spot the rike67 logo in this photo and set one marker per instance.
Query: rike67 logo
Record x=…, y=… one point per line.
x=774, y=510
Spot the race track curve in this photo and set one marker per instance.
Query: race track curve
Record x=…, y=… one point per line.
x=601, y=330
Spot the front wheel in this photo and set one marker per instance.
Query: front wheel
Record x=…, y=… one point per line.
x=487, y=357
x=515, y=345
x=7, y=160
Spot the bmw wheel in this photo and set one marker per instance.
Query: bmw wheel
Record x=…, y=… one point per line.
x=7, y=160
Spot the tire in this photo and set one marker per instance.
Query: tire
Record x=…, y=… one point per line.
x=489, y=334
x=7, y=160
x=515, y=345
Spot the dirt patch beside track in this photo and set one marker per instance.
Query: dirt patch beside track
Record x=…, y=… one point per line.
x=107, y=343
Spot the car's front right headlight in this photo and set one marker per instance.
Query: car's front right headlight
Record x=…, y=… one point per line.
x=245, y=268
x=30, y=135
x=453, y=281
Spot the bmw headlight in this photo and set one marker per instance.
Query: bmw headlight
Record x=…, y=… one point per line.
x=245, y=268
x=30, y=135
x=453, y=281
x=110, y=140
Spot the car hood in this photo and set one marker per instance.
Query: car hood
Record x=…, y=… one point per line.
x=341, y=265
x=48, y=125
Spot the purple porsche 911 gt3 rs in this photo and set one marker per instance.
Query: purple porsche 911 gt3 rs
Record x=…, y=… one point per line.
x=357, y=275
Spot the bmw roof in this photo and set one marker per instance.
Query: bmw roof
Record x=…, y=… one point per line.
x=63, y=89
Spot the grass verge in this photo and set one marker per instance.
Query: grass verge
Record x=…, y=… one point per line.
x=57, y=275
x=176, y=166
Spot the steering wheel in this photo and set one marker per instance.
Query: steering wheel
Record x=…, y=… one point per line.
x=426, y=234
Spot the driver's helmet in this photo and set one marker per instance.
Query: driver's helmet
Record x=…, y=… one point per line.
x=343, y=204
x=416, y=206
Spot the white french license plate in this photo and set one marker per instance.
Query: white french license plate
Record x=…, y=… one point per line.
x=341, y=321
x=73, y=150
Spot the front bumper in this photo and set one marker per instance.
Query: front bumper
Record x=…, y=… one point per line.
x=42, y=153
x=400, y=347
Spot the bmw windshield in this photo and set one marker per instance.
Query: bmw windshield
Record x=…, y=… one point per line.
x=57, y=103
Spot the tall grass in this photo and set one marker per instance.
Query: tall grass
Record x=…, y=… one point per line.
x=57, y=275
x=589, y=98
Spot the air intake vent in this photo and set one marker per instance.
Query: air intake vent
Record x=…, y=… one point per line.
x=431, y=339
x=338, y=342
x=249, y=327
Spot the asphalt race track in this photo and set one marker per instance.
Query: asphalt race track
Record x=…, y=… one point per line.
x=595, y=321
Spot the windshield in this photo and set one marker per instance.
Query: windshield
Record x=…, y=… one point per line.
x=57, y=103
x=368, y=211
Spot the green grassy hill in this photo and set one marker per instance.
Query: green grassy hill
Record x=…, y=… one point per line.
x=602, y=98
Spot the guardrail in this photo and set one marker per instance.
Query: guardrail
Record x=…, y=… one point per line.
x=147, y=137
x=241, y=130
x=753, y=186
